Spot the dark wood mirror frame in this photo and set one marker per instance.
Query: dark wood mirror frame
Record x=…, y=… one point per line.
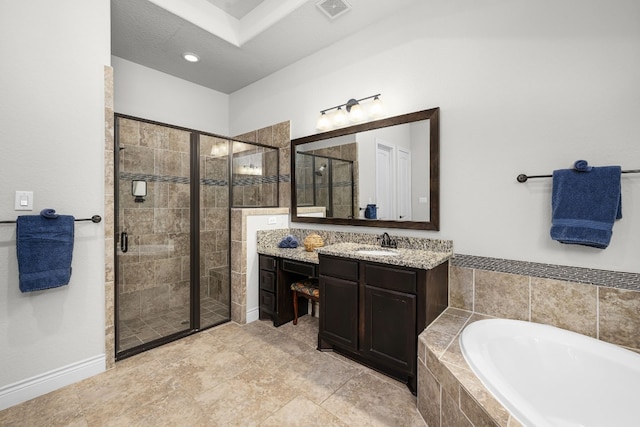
x=434, y=171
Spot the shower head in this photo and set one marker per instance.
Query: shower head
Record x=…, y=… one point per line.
x=321, y=169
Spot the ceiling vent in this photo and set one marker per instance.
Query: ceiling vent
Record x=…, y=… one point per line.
x=333, y=8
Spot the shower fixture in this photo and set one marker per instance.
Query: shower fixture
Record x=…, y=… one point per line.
x=139, y=190
x=321, y=169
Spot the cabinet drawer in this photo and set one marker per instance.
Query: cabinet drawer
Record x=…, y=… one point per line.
x=303, y=268
x=267, y=263
x=339, y=267
x=267, y=302
x=267, y=280
x=396, y=279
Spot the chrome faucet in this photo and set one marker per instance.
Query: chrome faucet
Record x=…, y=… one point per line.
x=387, y=242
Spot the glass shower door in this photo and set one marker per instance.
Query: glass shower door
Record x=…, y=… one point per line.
x=153, y=233
x=215, y=281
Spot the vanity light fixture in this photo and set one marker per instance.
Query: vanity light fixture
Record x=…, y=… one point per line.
x=190, y=57
x=354, y=113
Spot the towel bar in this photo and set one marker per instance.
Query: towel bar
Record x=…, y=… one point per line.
x=523, y=178
x=95, y=219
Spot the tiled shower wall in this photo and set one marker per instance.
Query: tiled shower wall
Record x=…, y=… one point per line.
x=158, y=228
x=109, y=229
x=214, y=221
x=255, y=191
x=343, y=178
x=277, y=136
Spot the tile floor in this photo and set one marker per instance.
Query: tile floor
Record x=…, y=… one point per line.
x=230, y=375
x=141, y=330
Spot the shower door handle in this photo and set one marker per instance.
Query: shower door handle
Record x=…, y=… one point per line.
x=124, y=242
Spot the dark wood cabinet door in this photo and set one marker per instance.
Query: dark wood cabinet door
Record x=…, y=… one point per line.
x=339, y=312
x=390, y=328
x=267, y=281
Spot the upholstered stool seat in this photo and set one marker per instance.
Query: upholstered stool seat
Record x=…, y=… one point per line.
x=307, y=288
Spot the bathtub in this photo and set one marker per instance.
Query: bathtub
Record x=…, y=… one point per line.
x=546, y=376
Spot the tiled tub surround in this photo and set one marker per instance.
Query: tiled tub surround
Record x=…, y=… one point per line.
x=449, y=394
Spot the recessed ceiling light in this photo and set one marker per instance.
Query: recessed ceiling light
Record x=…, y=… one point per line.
x=191, y=57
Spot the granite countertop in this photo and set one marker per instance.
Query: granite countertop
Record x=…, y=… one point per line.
x=413, y=252
x=298, y=254
x=414, y=258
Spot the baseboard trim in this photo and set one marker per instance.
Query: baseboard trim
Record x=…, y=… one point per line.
x=38, y=385
x=253, y=314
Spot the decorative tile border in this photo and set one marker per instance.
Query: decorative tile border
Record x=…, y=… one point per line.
x=612, y=279
x=255, y=180
x=126, y=176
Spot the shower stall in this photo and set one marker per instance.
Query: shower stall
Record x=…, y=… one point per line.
x=327, y=183
x=173, y=200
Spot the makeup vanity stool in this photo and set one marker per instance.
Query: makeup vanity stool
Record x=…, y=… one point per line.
x=309, y=289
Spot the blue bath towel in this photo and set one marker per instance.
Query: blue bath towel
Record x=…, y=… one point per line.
x=288, y=242
x=45, y=249
x=585, y=203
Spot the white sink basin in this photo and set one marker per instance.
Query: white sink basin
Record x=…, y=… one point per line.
x=376, y=252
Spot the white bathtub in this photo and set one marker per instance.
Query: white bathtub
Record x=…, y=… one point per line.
x=546, y=376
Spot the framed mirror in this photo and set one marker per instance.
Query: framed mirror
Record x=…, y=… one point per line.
x=384, y=173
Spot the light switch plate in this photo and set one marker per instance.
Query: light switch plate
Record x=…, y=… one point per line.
x=24, y=201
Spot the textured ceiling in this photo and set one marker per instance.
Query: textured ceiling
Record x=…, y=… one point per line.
x=269, y=35
x=236, y=8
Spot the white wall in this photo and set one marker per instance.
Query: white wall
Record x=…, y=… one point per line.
x=52, y=143
x=149, y=94
x=523, y=87
x=420, y=172
x=398, y=136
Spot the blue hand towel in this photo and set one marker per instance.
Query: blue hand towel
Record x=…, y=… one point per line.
x=585, y=202
x=288, y=242
x=45, y=249
x=49, y=213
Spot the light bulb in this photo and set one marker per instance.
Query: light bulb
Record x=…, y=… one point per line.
x=376, y=109
x=356, y=114
x=339, y=117
x=323, y=122
x=190, y=57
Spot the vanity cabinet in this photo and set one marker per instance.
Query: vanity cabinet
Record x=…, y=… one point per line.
x=374, y=312
x=275, y=278
x=339, y=302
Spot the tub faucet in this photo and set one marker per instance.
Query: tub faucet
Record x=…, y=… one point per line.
x=387, y=242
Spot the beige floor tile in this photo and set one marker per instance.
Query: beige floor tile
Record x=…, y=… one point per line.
x=58, y=408
x=303, y=413
x=233, y=374
x=305, y=331
x=196, y=374
x=317, y=375
x=236, y=402
x=366, y=400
